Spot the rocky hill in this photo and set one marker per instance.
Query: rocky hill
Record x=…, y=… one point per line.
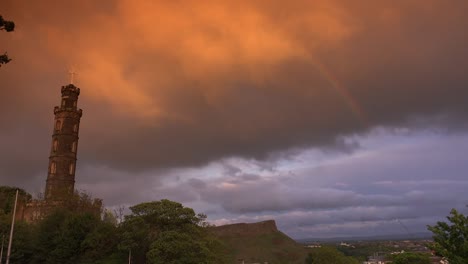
x=259, y=243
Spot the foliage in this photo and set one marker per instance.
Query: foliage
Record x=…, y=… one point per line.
x=167, y=232
x=8, y=26
x=361, y=251
x=73, y=231
x=451, y=239
x=327, y=255
x=411, y=258
x=274, y=247
x=179, y=247
x=81, y=201
x=101, y=241
x=109, y=217
x=23, y=244
x=309, y=259
x=74, y=237
x=22, y=247
x=7, y=198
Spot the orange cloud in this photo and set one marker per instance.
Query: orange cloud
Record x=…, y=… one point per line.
x=188, y=41
x=199, y=80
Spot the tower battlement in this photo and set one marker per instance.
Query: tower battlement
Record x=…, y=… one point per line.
x=69, y=89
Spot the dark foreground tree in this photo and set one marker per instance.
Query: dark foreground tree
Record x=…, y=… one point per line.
x=76, y=233
x=327, y=255
x=7, y=198
x=8, y=26
x=167, y=232
x=70, y=237
x=72, y=233
x=451, y=239
x=411, y=258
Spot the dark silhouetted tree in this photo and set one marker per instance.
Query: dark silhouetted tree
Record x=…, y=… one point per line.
x=8, y=26
x=327, y=255
x=167, y=232
x=7, y=198
x=451, y=239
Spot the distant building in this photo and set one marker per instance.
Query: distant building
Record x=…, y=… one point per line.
x=344, y=244
x=376, y=259
x=313, y=246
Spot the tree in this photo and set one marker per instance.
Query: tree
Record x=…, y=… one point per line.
x=64, y=236
x=8, y=26
x=23, y=243
x=411, y=258
x=309, y=259
x=451, y=240
x=73, y=232
x=167, y=232
x=80, y=201
x=101, y=244
x=327, y=255
x=173, y=247
x=70, y=233
x=7, y=198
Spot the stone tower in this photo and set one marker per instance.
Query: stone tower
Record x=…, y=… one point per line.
x=62, y=159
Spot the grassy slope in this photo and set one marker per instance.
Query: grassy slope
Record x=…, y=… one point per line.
x=274, y=247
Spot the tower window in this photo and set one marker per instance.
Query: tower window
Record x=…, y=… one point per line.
x=58, y=125
x=75, y=128
x=55, y=145
x=53, y=168
x=73, y=149
x=71, y=168
x=74, y=104
x=63, y=103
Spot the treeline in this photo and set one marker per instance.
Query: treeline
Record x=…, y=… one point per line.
x=154, y=232
x=327, y=255
x=161, y=232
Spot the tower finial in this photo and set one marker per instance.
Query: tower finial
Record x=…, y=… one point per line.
x=72, y=74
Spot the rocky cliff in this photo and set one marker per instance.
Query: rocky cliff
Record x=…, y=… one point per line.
x=243, y=229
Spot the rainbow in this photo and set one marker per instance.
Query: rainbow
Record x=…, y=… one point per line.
x=344, y=93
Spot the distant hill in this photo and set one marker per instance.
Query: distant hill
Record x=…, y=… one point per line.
x=413, y=236
x=259, y=243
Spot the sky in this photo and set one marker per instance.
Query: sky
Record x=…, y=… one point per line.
x=333, y=117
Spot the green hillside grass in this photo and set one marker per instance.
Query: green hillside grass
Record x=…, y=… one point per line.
x=270, y=246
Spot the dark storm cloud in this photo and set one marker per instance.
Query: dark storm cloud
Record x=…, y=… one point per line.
x=412, y=179
x=171, y=85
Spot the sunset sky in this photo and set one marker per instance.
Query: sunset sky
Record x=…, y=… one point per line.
x=333, y=117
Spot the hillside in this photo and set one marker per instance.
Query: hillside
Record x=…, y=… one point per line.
x=259, y=243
